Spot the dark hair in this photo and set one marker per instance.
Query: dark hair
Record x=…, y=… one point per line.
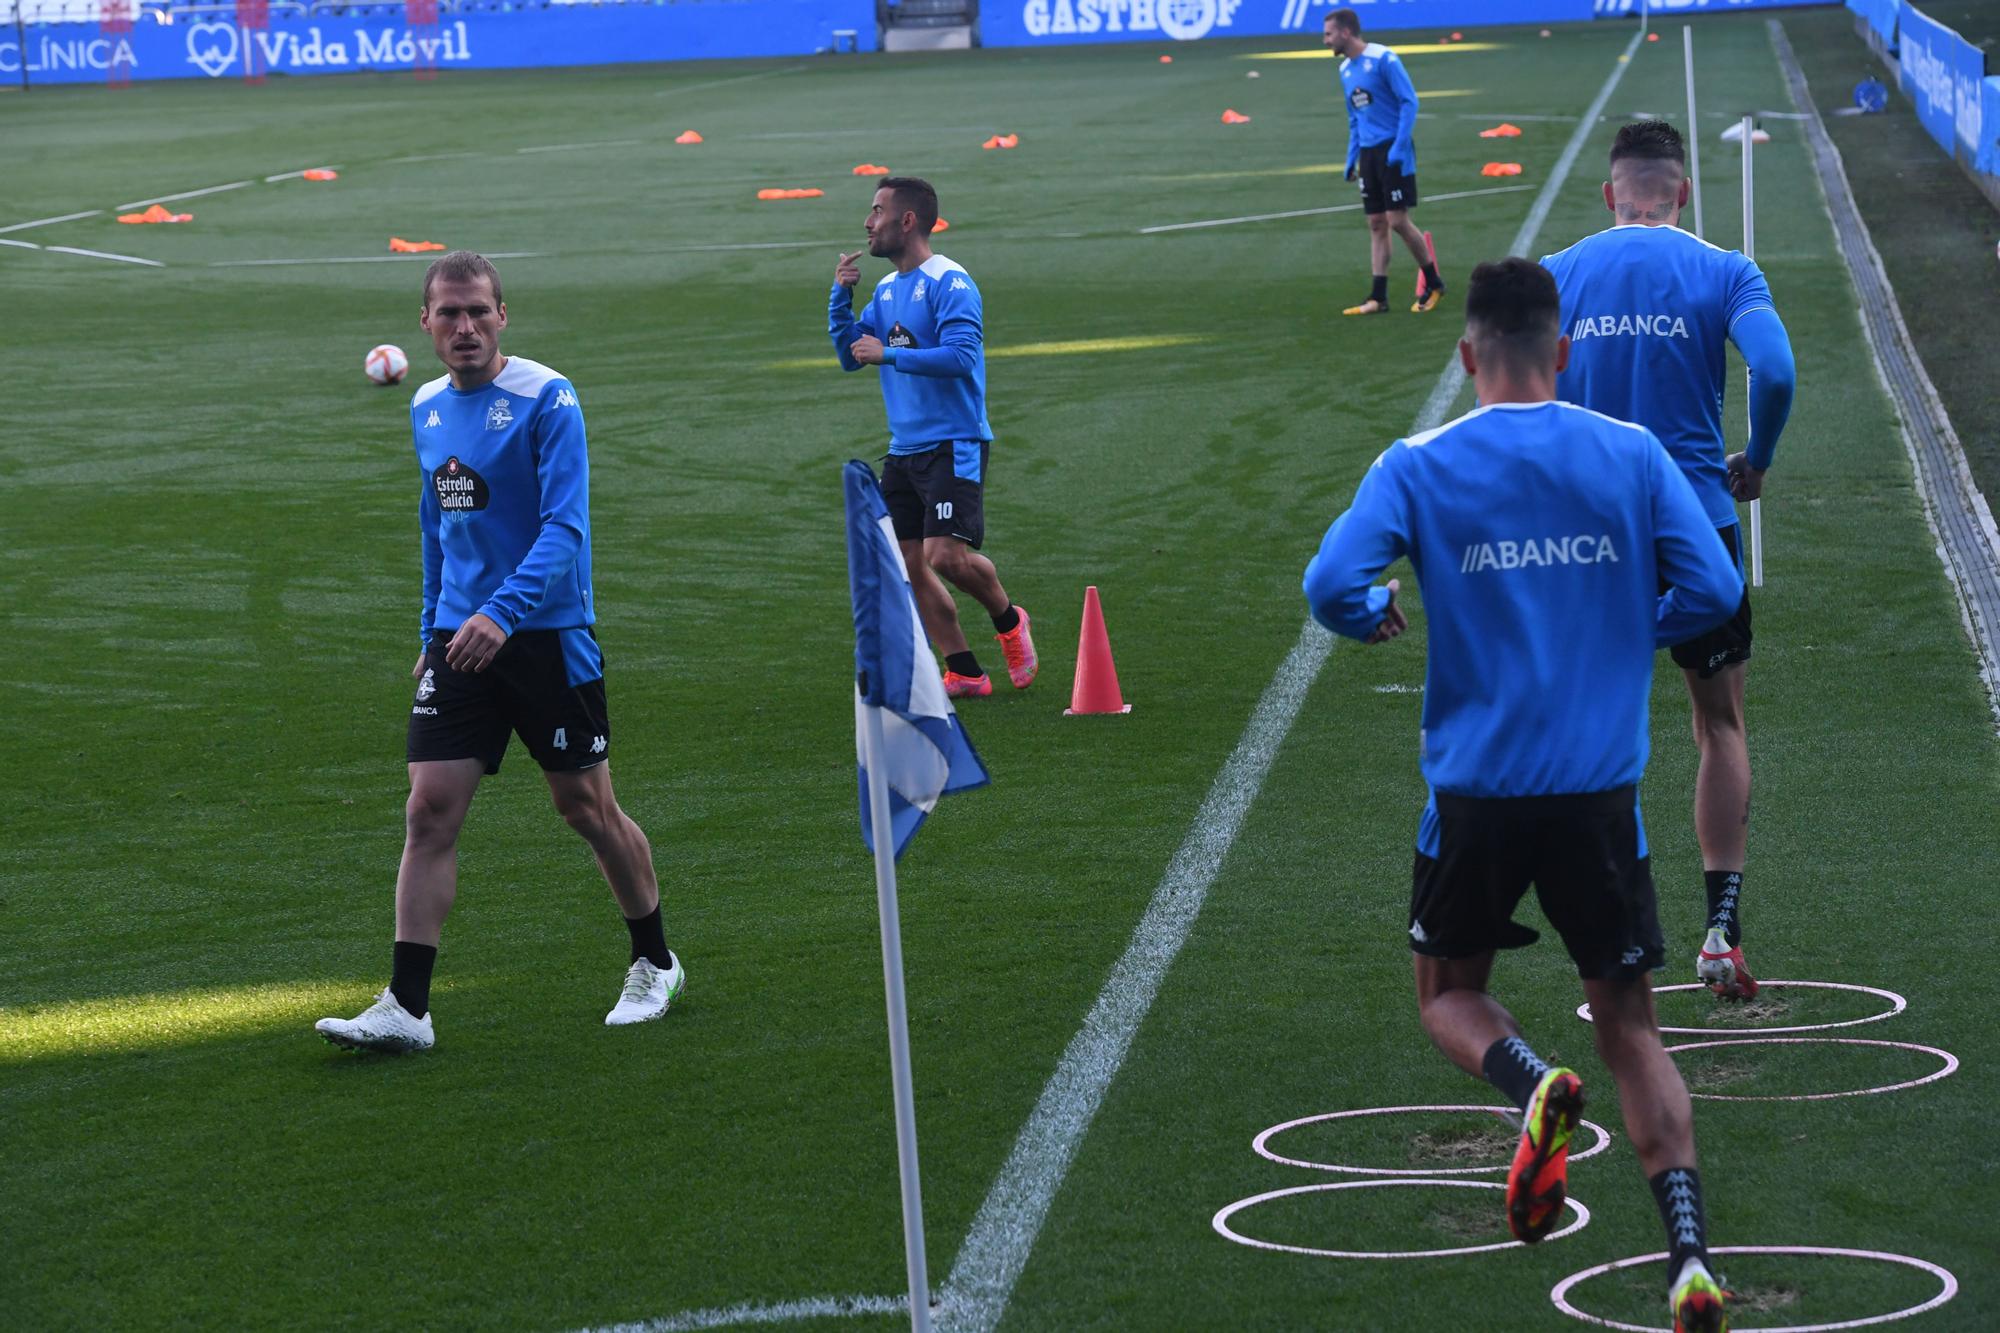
x=461, y=266
x=1649, y=141
x=1512, y=308
x=1346, y=18
x=916, y=195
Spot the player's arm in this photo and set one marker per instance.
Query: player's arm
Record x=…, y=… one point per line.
x=429, y=515
x=1767, y=349
x=961, y=334
x=841, y=324
x=1703, y=585
x=1403, y=149
x=562, y=467
x=1340, y=580
x=1353, y=129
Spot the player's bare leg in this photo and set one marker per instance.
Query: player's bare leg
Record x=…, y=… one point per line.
x=1459, y=1017
x=1481, y=1037
x=587, y=804
x=441, y=792
x=1378, y=268
x=968, y=571
x=1659, y=1118
x=934, y=604
x=972, y=573
x=1413, y=237
x=655, y=977
x=1722, y=821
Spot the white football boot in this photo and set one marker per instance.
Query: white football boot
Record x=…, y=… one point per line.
x=648, y=991
x=383, y=1026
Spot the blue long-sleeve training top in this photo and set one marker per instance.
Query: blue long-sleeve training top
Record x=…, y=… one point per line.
x=933, y=372
x=1541, y=534
x=1381, y=105
x=505, y=507
x=1648, y=311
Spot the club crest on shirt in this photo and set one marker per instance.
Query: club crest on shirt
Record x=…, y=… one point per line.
x=918, y=294
x=500, y=415
x=899, y=337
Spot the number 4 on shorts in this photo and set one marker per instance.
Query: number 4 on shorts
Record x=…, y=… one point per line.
x=561, y=742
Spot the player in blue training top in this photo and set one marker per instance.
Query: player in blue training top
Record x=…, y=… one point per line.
x=923, y=327
x=1648, y=308
x=1542, y=534
x=1382, y=155
x=505, y=645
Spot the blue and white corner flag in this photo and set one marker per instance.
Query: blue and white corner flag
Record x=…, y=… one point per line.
x=925, y=752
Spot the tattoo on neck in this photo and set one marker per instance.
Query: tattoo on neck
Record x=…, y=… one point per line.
x=1634, y=213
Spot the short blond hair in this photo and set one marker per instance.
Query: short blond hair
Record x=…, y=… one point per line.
x=461, y=266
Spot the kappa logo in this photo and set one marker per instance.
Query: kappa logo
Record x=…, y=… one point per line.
x=564, y=398
x=500, y=415
x=599, y=744
x=960, y=285
x=1417, y=933
x=432, y=420
x=427, y=686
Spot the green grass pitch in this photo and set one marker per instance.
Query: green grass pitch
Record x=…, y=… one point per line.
x=209, y=594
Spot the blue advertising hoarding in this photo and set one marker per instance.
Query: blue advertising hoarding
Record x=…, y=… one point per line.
x=212, y=48
x=1987, y=160
x=1880, y=16
x=1072, y=22
x=1610, y=9
x=1944, y=76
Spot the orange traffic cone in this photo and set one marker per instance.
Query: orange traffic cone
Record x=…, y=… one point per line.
x=1096, y=688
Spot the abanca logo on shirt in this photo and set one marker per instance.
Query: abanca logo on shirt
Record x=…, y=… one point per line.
x=1609, y=326
x=1582, y=549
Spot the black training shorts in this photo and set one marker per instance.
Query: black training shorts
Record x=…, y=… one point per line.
x=1728, y=643
x=939, y=492
x=547, y=685
x=1585, y=856
x=1384, y=187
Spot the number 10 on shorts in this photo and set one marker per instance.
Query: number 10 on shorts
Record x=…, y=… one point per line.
x=943, y=510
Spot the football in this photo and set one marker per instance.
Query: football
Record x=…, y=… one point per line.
x=386, y=364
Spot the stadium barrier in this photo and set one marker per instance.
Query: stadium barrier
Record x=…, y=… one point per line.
x=164, y=43
x=1944, y=77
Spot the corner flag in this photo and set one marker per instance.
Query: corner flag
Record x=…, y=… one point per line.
x=924, y=752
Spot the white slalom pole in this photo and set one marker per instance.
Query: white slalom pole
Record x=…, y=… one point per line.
x=1694, y=127
x=884, y=838
x=1750, y=252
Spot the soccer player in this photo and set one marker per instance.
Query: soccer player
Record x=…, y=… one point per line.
x=1648, y=308
x=923, y=329
x=506, y=645
x=1382, y=155
x=1541, y=533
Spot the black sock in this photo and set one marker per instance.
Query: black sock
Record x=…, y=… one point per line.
x=1380, y=291
x=1724, y=887
x=1678, y=1194
x=410, y=976
x=1432, y=282
x=1512, y=1066
x=1004, y=622
x=647, y=941
x=965, y=664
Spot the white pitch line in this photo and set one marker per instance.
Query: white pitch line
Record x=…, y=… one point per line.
x=787, y=1312
x=49, y=222
x=103, y=254
x=21, y=245
x=361, y=259
x=294, y=175
x=185, y=194
x=1009, y=1220
x=717, y=83
x=429, y=157
x=1321, y=212
x=567, y=147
